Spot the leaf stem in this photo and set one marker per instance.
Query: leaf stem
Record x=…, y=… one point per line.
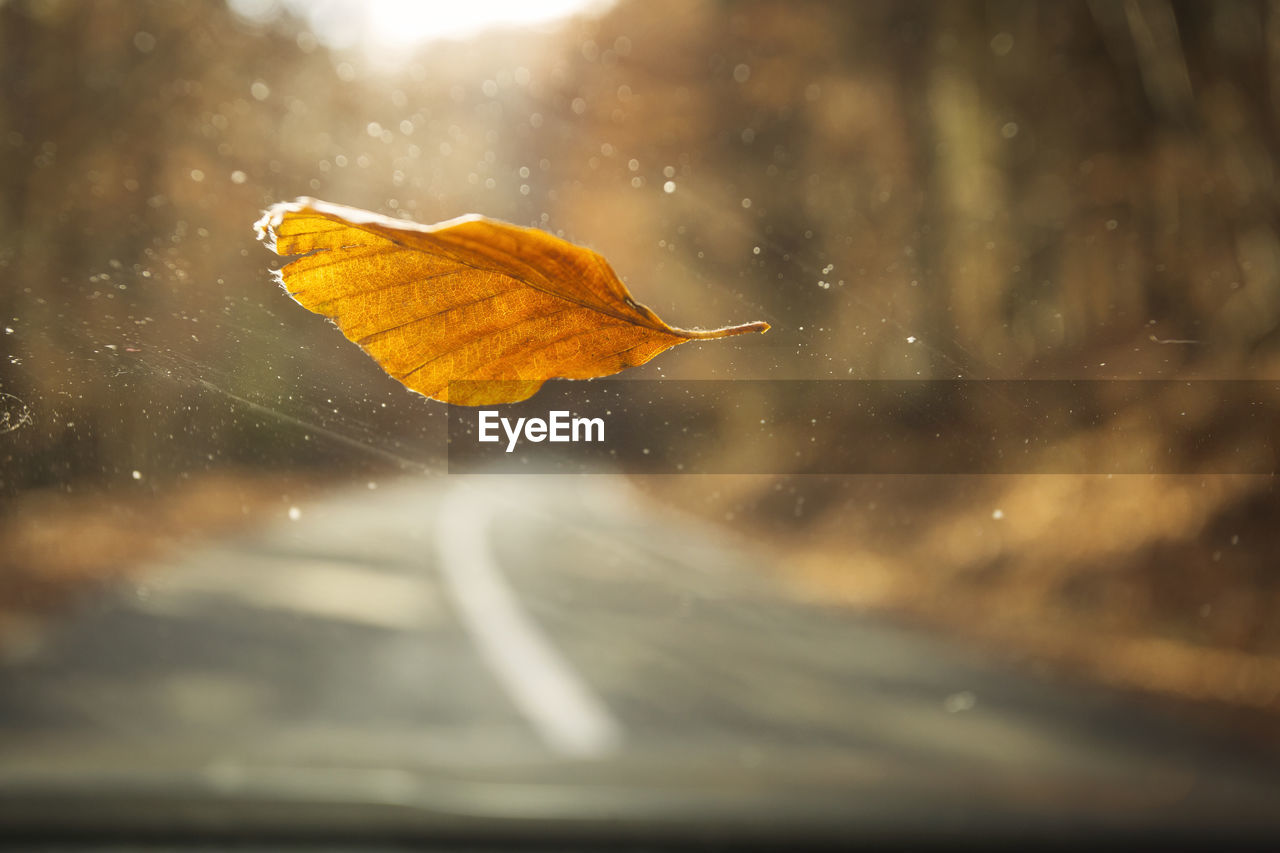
x=727, y=331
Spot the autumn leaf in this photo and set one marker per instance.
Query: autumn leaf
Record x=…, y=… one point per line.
x=467, y=299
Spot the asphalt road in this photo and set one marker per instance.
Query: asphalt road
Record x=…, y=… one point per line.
x=551, y=647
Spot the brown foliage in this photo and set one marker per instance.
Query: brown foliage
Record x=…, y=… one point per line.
x=467, y=299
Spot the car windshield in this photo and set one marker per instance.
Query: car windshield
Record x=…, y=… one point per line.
x=378, y=516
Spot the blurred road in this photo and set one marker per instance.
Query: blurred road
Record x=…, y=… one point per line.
x=526, y=627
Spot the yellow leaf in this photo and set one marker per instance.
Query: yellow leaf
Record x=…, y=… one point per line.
x=467, y=299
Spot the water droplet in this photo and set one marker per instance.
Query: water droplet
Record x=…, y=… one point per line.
x=957, y=702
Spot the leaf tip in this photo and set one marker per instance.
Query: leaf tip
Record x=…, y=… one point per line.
x=268, y=224
x=265, y=227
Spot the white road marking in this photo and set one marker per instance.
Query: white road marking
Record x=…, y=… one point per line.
x=568, y=716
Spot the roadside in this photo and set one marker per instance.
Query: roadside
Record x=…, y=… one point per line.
x=1157, y=584
x=59, y=545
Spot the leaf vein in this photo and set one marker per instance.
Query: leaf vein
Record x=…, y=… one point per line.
x=489, y=334
x=378, y=334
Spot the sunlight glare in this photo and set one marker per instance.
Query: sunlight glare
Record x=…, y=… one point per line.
x=408, y=22
x=394, y=26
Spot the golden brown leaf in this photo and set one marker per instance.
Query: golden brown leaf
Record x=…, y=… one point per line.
x=467, y=299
